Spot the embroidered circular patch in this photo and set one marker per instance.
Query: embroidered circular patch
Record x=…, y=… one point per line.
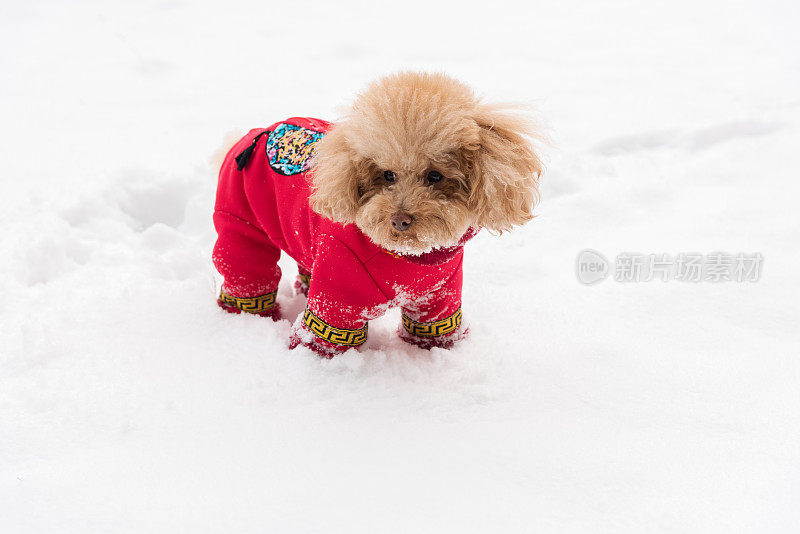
x=290, y=147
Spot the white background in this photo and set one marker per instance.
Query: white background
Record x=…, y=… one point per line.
x=130, y=403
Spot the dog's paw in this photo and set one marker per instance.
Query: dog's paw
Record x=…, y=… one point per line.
x=446, y=341
x=302, y=336
x=322, y=348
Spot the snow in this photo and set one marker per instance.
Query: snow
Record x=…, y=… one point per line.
x=130, y=403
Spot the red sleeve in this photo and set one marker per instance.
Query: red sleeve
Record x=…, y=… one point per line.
x=435, y=321
x=341, y=300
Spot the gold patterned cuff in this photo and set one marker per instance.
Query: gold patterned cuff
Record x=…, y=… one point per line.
x=304, y=278
x=259, y=304
x=444, y=326
x=338, y=336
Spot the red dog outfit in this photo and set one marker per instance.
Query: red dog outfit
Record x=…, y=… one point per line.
x=262, y=209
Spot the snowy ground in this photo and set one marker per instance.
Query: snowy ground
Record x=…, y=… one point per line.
x=130, y=403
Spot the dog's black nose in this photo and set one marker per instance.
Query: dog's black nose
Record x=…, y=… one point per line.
x=401, y=221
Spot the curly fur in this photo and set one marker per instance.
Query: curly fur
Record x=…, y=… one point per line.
x=412, y=123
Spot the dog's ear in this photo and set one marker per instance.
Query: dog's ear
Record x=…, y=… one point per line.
x=335, y=177
x=504, y=169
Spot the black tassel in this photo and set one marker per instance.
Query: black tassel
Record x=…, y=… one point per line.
x=244, y=157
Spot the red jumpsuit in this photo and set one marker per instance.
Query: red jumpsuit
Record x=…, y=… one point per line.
x=262, y=209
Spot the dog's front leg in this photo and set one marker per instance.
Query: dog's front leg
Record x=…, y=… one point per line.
x=342, y=298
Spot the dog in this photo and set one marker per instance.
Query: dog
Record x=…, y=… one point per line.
x=375, y=209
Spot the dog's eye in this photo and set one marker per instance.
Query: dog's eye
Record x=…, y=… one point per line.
x=434, y=176
x=388, y=176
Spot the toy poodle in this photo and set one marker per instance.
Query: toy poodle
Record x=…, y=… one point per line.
x=374, y=208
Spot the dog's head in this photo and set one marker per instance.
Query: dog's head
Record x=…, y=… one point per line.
x=419, y=159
